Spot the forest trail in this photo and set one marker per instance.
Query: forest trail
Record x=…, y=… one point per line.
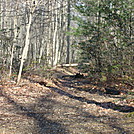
x=63, y=105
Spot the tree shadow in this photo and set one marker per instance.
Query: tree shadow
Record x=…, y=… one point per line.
x=41, y=123
x=108, y=91
x=106, y=105
x=50, y=129
x=112, y=123
x=46, y=125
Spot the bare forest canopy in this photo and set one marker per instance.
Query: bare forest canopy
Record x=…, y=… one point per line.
x=42, y=34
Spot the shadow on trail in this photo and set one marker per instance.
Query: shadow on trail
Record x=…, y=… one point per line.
x=47, y=126
x=41, y=123
x=75, y=85
x=107, y=105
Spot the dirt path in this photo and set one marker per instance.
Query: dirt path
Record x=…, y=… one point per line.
x=62, y=107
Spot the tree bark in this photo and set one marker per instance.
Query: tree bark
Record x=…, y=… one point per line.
x=68, y=29
x=25, y=50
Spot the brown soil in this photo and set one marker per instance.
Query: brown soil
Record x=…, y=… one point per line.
x=63, y=105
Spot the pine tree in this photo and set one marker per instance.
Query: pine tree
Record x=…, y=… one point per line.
x=105, y=34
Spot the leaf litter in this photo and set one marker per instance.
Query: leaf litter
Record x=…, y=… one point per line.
x=62, y=105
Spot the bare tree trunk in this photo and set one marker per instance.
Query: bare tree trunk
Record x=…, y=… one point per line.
x=25, y=50
x=68, y=29
x=13, y=45
x=55, y=39
x=11, y=60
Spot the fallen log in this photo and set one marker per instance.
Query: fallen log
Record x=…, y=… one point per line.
x=72, y=64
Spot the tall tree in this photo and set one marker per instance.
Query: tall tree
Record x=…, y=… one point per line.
x=68, y=30
x=32, y=7
x=103, y=27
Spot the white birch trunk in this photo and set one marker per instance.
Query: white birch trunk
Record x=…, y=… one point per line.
x=11, y=60
x=56, y=39
x=25, y=50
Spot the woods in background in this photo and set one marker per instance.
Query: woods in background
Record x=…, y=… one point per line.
x=106, y=36
x=40, y=33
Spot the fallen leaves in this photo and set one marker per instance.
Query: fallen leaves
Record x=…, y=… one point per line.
x=84, y=102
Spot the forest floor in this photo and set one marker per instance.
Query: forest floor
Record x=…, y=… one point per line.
x=62, y=104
